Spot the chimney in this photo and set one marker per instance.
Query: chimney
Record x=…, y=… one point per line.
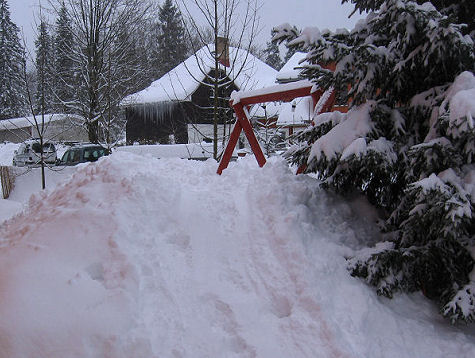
x=223, y=51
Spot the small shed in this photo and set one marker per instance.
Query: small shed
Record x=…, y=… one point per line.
x=178, y=107
x=58, y=127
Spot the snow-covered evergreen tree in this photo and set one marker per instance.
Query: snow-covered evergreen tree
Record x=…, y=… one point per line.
x=407, y=143
x=64, y=65
x=290, y=52
x=272, y=56
x=462, y=10
x=44, y=96
x=171, y=47
x=12, y=90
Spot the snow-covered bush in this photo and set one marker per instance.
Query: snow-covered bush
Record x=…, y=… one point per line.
x=407, y=143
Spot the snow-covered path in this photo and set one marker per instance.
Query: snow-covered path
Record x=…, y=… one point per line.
x=164, y=258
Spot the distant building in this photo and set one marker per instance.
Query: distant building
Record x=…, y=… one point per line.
x=296, y=115
x=58, y=127
x=178, y=107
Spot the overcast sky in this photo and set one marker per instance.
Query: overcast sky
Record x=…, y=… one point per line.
x=301, y=13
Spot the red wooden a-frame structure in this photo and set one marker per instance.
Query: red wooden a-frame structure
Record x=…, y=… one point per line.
x=241, y=101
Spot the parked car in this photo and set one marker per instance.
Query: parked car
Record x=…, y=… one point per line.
x=29, y=153
x=82, y=153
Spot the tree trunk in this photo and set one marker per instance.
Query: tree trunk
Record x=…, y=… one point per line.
x=216, y=87
x=92, y=131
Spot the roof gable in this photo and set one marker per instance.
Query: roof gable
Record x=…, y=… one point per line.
x=246, y=71
x=289, y=73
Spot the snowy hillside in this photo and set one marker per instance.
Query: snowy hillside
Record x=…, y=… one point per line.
x=163, y=258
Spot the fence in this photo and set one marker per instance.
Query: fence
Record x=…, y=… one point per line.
x=8, y=180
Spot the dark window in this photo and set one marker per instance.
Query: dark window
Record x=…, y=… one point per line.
x=48, y=147
x=75, y=156
x=36, y=147
x=66, y=156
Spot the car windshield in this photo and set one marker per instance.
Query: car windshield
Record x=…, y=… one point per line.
x=47, y=147
x=36, y=147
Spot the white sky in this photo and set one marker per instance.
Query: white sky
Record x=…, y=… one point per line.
x=301, y=13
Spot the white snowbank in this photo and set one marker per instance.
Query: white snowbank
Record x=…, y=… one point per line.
x=7, y=151
x=164, y=258
x=184, y=151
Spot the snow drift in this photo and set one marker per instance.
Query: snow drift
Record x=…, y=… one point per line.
x=164, y=258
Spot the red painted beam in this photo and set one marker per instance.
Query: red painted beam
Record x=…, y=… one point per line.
x=242, y=123
x=251, y=137
x=285, y=95
x=228, y=152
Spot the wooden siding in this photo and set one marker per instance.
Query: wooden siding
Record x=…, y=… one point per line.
x=155, y=122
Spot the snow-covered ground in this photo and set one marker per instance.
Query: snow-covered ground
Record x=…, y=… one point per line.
x=133, y=258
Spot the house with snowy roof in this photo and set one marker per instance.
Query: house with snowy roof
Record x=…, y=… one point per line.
x=178, y=107
x=293, y=116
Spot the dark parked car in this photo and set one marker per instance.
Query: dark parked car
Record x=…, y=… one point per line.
x=83, y=153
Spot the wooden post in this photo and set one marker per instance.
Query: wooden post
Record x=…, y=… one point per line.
x=242, y=123
x=7, y=181
x=285, y=92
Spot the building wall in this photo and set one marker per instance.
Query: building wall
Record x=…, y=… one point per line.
x=156, y=122
x=57, y=131
x=15, y=135
x=65, y=131
x=198, y=132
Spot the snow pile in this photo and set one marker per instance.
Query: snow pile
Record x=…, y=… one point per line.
x=7, y=151
x=299, y=112
x=164, y=258
x=184, y=151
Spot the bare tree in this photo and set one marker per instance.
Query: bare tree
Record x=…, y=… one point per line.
x=269, y=133
x=105, y=59
x=227, y=22
x=38, y=106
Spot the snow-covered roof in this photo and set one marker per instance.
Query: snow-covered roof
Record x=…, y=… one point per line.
x=24, y=122
x=297, y=112
x=247, y=72
x=270, y=110
x=288, y=73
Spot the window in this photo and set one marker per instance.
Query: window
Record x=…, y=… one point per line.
x=36, y=147
x=75, y=156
